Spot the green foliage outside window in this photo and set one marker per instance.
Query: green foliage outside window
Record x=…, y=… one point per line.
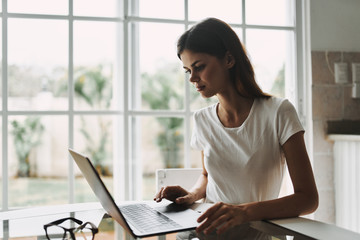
x=93, y=86
x=27, y=135
x=278, y=87
x=160, y=92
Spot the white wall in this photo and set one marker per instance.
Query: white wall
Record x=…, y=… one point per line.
x=335, y=25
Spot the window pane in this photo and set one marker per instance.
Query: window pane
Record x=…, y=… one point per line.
x=37, y=69
x=39, y=6
x=95, y=68
x=94, y=137
x=275, y=12
x=38, y=160
x=227, y=10
x=161, y=144
x=272, y=56
x=173, y=9
x=97, y=8
x=162, y=76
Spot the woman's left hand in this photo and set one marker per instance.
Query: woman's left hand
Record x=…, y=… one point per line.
x=221, y=216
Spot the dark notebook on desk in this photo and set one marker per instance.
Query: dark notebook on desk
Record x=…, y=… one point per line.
x=139, y=219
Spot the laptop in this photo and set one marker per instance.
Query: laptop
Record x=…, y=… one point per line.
x=140, y=219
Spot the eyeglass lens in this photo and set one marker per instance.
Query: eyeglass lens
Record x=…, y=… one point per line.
x=86, y=231
x=55, y=233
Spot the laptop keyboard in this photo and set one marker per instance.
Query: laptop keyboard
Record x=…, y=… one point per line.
x=145, y=218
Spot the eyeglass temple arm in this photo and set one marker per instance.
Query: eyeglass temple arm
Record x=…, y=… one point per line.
x=57, y=222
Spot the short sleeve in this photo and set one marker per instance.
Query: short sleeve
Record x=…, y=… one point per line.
x=288, y=122
x=195, y=141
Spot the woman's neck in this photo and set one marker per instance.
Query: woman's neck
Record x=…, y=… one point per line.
x=233, y=109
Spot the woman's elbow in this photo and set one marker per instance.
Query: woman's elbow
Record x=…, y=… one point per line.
x=312, y=202
x=307, y=201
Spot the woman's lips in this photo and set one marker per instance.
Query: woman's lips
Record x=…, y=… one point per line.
x=200, y=88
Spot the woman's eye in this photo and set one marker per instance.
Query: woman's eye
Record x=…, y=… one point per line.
x=195, y=68
x=199, y=68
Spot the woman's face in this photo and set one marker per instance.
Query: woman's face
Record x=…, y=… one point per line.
x=209, y=74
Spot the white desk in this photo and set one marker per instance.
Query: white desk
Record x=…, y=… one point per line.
x=28, y=224
x=315, y=229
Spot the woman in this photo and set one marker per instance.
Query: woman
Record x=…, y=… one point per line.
x=245, y=139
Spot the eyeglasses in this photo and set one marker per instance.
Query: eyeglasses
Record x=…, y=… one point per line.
x=77, y=230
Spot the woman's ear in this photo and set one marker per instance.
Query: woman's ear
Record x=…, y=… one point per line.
x=230, y=60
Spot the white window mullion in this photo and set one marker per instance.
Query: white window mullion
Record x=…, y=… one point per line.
x=186, y=11
x=135, y=139
x=71, y=102
x=299, y=63
x=243, y=22
x=5, y=180
x=187, y=119
x=126, y=159
x=119, y=146
x=303, y=83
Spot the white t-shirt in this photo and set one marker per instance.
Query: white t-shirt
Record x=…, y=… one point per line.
x=246, y=163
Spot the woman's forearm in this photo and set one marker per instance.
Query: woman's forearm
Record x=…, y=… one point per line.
x=199, y=189
x=222, y=216
x=290, y=206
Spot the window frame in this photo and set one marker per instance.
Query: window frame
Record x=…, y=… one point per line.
x=126, y=176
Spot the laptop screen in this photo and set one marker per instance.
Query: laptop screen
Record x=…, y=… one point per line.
x=99, y=188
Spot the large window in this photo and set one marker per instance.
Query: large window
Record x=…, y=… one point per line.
x=103, y=77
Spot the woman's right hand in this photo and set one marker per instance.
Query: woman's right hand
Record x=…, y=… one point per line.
x=175, y=194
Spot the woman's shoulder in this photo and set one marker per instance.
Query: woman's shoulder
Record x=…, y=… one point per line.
x=274, y=103
x=206, y=111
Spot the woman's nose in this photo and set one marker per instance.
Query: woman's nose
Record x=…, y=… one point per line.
x=194, y=77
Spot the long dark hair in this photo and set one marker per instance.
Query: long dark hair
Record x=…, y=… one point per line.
x=215, y=37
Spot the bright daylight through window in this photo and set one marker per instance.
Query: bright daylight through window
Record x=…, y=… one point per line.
x=103, y=77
